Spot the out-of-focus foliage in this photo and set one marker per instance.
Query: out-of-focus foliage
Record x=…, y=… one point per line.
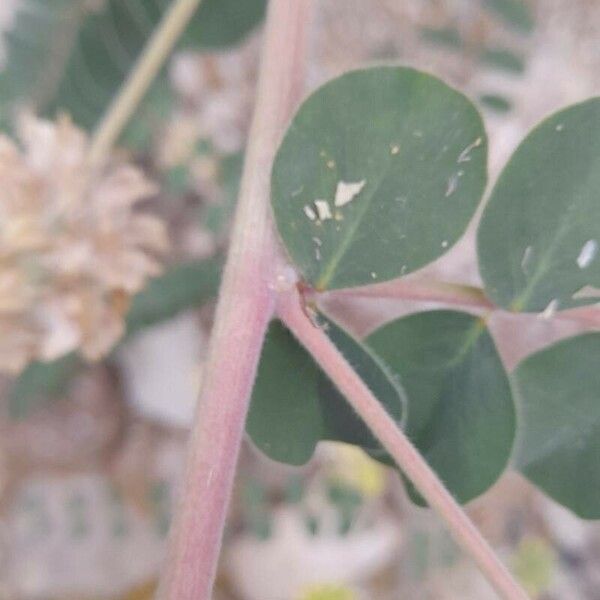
x=216, y=216
x=446, y=37
x=41, y=383
x=468, y=41
x=73, y=56
x=150, y=117
x=535, y=563
x=503, y=59
x=496, y=103
x=328, y=592
x=181, y=287
x=515, y=13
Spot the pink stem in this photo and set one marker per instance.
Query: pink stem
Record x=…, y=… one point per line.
x=427, y=290
x=587, y=315
x=246, y=305
x=397, y=444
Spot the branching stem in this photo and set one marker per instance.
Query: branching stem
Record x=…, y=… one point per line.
x=248, y=301
x=329, y=358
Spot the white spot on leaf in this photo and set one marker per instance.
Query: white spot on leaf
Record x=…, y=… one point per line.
x=395, y=149
x=309, y=212
x=453, y=183
x=550, y=310
x=318, y=244
x=323, y=210
x=526, y=260
x=465, y=155
x=587, y=254
x=346, y=192
x=587, y=291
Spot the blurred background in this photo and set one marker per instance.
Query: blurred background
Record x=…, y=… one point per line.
x=103, y=335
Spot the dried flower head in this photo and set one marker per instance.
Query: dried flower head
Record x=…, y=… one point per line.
x=73, y=247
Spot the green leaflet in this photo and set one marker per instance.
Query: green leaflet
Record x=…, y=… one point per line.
x=294, y=406
x=539, y=233
x=379, y=174
x=559, y=410
x=284, y=420
x=340, y=422
x=461, y=414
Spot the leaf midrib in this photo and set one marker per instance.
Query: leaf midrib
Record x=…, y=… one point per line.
x=345, y=244
x=330, y=269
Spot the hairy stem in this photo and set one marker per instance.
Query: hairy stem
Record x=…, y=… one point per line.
x=397, y=444
x=143, y=74
x=246, y=305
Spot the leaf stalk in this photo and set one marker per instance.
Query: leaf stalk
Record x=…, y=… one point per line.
x=420, y=289
x=408, y=458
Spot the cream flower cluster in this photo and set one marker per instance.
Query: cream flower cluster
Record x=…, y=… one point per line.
x=74, y=247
